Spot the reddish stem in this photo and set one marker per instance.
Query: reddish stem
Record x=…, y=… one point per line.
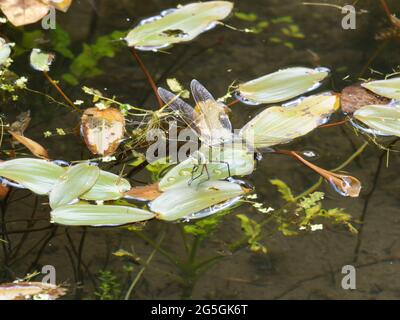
x=333, y=124
x=58, y=88
x=233, y=103
x=385, y=8
x=148, y=76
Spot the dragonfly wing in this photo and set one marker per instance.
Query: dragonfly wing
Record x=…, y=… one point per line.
x=184, y=110
x=212, y=118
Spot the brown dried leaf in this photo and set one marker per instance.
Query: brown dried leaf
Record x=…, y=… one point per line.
x=149, y=192
x=33, y=146
x=22, y=12
x=30, y=290
x=355, y=96
x=102, y=130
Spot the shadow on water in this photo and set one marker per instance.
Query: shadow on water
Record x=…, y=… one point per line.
x=219, y=266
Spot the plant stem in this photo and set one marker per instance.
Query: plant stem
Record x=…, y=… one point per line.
x=140, y=273
x=230, y=104
x=58, y=88
x=148, y=76
x=333, y=124
x=389, y=14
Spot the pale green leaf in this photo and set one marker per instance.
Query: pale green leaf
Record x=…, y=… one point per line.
x=277, y=125
x=76, y=181
x=281, y=85
x=179, y=25
x=388, y=88
x=108, y=186
x=230, y=160
x=41, y=61
x=37, y=175
x=383, y=119
x=178, y=203
x=93, y=215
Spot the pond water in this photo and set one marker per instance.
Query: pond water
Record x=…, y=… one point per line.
x=306, y=266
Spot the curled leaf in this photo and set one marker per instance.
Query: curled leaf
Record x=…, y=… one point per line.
x=178, y=203
x=277, y=125
x=382, y=119
x=345, y=185
x=93, y=215
x=37, y=175
x=77, y=180
x=389, y=88
x=178, y=25
x=354, y=97
x=102, y=130
x=33, y=146
x=30, y=290
x=108, y=186
x=281, y=85
x=41, y=61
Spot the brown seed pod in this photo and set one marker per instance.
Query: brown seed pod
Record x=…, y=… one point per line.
x=355, y=96
x=102, y=130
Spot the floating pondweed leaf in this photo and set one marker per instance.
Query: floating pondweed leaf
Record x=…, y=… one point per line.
x=108, y=186
x=5, y=51
x=76, y=180
x=103, y=215
x=177, y=203
x=383, y=119
x=178, y=25
x=102, y=130
x=221, y=163
x=33, y=146
x=41, y=61
x=22, y=12
x=37, y=175
x=277, y=125
x=388, y=88
x=281, y=85
x=144, y=193
x=354, y=97
x=30, y=290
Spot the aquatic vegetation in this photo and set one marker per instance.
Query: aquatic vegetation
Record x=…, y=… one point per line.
x=136, y=163
x=281, y=85
x=177, y=25
x=30, y=291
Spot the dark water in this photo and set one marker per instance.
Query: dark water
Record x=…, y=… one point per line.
x=302, y=267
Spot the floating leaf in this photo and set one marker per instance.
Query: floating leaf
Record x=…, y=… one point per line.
x=277, y=125
x=33, y=146
x=102, y=130
x=144, y=193
x=30, y=290
x=354, y=97
x=41, y=61
x=36, y=175
x=93, y=215
x=108, y=186
x=178, y=203
x=76, y=181
x=5, y=51
x=178, y=25
x=281, y=85
x=388, y=88
x=382, y=119
x=22, y=12
x=345, y=185
x=230, y=160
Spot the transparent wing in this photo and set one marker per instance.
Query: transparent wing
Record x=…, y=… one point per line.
x=212, y=118
x=184, y=110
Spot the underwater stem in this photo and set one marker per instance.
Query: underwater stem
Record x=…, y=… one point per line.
x=58, y=88
x=389, y=14
x=148, y=76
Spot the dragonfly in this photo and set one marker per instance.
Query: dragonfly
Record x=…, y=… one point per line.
x=210, y=121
